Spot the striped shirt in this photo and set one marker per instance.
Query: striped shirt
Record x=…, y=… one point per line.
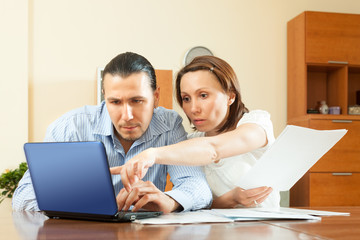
x=93, y=123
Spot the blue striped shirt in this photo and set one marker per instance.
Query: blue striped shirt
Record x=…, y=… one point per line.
x=93, y=123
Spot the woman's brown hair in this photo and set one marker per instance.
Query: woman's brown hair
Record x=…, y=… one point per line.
x=228, y=81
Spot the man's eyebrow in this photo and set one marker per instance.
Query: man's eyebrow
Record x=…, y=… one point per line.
x=137, y=97
x=118, y=99
x=113, y=98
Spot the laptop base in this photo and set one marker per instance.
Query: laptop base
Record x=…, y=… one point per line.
x=123, y=216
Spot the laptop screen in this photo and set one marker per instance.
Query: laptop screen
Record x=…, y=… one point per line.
x=71, y=177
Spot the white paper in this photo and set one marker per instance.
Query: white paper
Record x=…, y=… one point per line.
x=231, y=215
x=242, y=214
x=293, y=153
x=203, y=216
x=311, y=212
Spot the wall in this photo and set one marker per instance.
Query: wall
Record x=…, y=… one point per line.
x=70, y=39
x=13, y=82
x=58, y=46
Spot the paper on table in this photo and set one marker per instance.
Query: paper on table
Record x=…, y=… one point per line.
x=203, y=216
x=293, y=153
x=238, y=214
x=312, y=212
x=243, y=214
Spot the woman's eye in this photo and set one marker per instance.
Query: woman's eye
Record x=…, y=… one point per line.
x=186, y=99
x=203, y=95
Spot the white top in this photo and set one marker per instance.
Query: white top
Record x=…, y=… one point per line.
x=223, y=175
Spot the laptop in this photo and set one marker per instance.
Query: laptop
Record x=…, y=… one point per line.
x=73, y=180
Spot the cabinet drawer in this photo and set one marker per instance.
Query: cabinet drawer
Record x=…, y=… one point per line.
x=332, y=37
x=345, y=155
x=327, y=189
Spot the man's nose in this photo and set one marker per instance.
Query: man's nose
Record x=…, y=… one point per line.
x=127, y=113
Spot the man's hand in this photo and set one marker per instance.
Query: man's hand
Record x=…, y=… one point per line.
x=135, y=168
x=147, y=196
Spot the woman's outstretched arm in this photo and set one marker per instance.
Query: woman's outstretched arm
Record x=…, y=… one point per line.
x=194, y=152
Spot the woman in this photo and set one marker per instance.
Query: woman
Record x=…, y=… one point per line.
x=228, y=141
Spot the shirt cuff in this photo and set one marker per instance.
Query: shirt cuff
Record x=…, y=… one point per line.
x=180, y=198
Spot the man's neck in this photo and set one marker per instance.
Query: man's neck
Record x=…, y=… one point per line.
x=125, y=143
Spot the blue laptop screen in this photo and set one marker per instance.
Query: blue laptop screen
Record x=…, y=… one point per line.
x=71, y=177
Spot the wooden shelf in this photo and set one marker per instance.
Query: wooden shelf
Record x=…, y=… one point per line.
x=324, y=65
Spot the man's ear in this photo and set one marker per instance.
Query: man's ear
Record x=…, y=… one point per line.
x=156, y=97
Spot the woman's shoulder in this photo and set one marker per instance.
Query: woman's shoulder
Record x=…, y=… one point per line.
x=255, y=116
x=195, y=134
x=258, y=112
x=261, y=118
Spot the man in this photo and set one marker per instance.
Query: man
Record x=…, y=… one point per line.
x=128, y=122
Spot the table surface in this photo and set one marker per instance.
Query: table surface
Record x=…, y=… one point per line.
x=34, y=225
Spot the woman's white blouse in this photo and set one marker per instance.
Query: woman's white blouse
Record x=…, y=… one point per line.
x=223, y=175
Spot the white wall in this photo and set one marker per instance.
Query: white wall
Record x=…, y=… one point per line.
x=13, y=82
x=70, y=39
x=55, y=47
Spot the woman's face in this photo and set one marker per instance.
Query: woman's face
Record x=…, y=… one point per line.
x=204, y=101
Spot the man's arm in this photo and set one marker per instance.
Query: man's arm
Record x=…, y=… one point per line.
x=190, y=189
x=24, y=195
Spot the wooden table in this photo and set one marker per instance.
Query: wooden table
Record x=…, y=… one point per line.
x=34, y=225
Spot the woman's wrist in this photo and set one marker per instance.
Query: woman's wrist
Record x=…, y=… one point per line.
x=232, y=199
x=227, y=200
x=153, y=155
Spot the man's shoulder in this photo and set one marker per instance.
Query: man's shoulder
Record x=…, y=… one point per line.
x=169, y=122
x=166, y=116
x=87, y=111
x=81, y=117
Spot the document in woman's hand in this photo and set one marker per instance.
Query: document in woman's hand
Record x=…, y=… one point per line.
x=293, y=153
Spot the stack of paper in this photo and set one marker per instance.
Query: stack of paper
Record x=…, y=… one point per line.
x=306, y=211
x=245, y=214
x=239, y=214
x=202, y=216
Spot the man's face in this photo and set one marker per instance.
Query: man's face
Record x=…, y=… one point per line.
x=130, y=102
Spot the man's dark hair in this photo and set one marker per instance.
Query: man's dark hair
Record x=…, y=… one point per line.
x=128, y=63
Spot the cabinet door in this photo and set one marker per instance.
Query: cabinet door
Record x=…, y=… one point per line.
x=332, y=37
x=164, y=81
x=345, y=155
x=327, y=189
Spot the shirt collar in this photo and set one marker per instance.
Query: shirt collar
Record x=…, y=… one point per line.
x=156, y=127
x=104, y=124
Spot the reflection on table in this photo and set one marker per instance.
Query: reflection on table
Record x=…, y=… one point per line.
x=35, y=225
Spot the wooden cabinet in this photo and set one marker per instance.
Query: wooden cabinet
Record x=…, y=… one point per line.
x=324, y=65
x=164, y=81
x=345, y=155
x=333, y=189
x=332, y=37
